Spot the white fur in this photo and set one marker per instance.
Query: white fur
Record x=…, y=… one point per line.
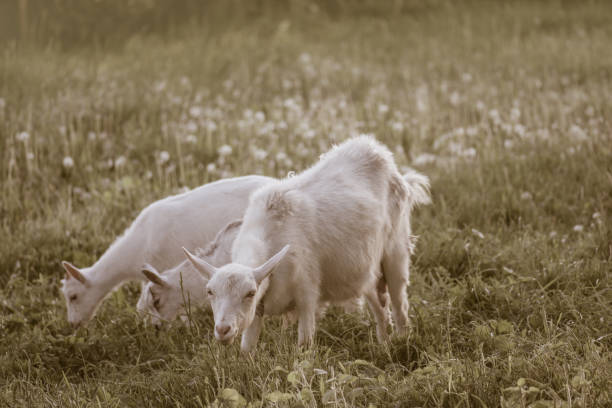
x=338, y=231
x=156, y=237
x=168, y=294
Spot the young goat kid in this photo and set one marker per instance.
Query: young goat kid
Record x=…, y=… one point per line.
x=330, y=232
x=165, y=296
x=156, y=236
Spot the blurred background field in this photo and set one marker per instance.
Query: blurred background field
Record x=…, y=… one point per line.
x=106, y=106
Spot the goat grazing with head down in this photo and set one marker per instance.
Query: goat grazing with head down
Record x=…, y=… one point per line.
x=167, y=294
x=332, y=233
x=155, y=237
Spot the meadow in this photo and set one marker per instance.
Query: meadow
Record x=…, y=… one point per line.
x=506, y=106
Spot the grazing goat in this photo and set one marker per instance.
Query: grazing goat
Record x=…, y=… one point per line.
x=155, y=237
x=337, y=231
x=166, y=295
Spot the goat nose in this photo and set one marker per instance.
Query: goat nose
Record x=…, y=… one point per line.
x=223, y=330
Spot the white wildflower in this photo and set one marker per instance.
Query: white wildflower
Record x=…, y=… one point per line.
x=577, y=133
x=191, y=139
x=259, y=154
x=260, y=116
x=211, y=126
x=120, y=161
x=23, y=136
x=211, y=167
x=30, y=156
x=480, y=106
x=191, y=126
x=163, y=157
x=459, y=132
x=596, y=215
x=68, y=163
x=397, y=127
x=224, y=150
x=159, y=86
x=471, y=131
x=469, y=152
x=305, y=58
x=526, y=195
x=454, y=98
x=520, y=130
x=382, y=108
x=195, y=111
x=423, y=159
x=578, y=228
x=309, y=134
x=508, y=144
x=494, y=116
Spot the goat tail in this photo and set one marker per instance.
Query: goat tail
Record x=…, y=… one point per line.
x=418, y=188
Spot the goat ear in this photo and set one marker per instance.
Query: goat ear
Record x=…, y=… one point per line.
x=206, y=269
x=73, y=271
x=151, y=274
x=261, y=272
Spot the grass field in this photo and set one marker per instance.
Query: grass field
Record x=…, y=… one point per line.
x=506, y=106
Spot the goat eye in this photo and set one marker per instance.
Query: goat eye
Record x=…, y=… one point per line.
x=156, y=304
x=210, y=292
x=250, y=295
x=73, y=298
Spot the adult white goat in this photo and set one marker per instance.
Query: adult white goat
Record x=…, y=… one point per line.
x=331, y=231
x=167, y=294
x=155, y=237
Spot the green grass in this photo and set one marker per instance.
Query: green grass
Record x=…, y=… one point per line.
x=511, y=283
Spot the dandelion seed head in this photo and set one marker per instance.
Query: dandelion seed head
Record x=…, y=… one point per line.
x=120, y=161
x=224, y=150
x=382, y=108
x=163, y=157
x=68, y=162
x=23, y=136
x=577, y=133
x=195, y=111
x=423, y=159
x=191, y=126
x=454, y=98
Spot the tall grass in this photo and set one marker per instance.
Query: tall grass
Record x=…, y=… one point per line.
x=505, y=106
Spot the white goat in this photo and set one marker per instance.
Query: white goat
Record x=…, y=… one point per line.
x=156, y=236
x=167, y=294
x=335, y=227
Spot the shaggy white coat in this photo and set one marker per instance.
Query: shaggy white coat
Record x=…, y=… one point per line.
x=337, y=231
